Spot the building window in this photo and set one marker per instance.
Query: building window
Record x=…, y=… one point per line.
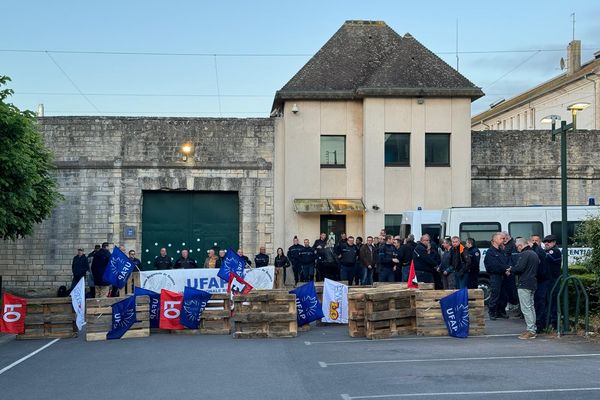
x=333, y=151
x=437, y=149
x=397, y=149
x=392, y=224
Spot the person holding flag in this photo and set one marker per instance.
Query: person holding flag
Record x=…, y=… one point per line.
x=99, y=264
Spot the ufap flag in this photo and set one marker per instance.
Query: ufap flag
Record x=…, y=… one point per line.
x=154, y=305
x=455, y=310
x=231, y=263
x=14, y=311
x=412, y=283
x=237, y=285
x=308, y=307
x=123, y=317
x=78, y=302
x=118, y=270
x=170, y=310
x=335, y=302
x=194, y=303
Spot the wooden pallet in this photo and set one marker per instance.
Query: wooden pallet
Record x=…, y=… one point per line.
x=265, y=314
x=356, y=314
x=429, y=314
x=389, y=313
x=215, y=319
x=49, y=318
x=99, y=318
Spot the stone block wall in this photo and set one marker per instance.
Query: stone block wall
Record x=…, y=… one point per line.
x=521, y=168
x=104, y=164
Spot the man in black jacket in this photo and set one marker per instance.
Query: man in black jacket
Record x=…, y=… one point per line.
x=526, y=269
x=406, y=255
x=262, y=258
x=307, y=257
x=319, y=246
x=497, y=266
x=292, y=255
x=348, y=260
x=460, y=261
x=426, y=260
x=99, y=264
x=553, y=262
x=185, y=261
x=163, y=261
x=79, y=267
x=385, y=258
x=473, y=281
x=543, y=281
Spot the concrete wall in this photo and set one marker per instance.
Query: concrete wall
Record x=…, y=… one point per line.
x=528, y=116
x=104, y=164
x=520, y=168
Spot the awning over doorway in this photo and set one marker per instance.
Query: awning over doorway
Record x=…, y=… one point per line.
x=328, y=205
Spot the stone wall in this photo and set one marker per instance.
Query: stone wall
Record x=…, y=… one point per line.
x=519, y=168
x=104, y=164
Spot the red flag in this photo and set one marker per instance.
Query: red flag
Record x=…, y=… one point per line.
x=412, y=277
x=170, y=310
x=237, y=285
x=14, y=310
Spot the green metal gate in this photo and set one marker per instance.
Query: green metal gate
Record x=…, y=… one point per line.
x=197, y=221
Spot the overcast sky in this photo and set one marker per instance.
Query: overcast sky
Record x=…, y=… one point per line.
x=500, y=40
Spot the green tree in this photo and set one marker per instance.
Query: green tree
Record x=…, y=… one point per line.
x=589, y=233
x=27, y=189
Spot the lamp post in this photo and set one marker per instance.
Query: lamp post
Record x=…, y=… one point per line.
x=564, y=128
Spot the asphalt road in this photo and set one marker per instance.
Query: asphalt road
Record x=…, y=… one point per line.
x=324, y=363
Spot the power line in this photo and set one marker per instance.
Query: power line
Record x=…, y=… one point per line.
x=142, y=94
x=217, y=80
x=512, y=70
x=73, y=83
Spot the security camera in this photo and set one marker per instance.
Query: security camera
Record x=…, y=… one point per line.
x=375, y=207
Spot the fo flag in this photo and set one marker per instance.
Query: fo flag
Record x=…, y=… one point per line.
x=170, y=310
x=307, y=304
x=78, y=302
x=123, y=317
x=335, y=302
x=455, y=309
x=231, y=263
x=194, y=303
x=412, y=283
x=118, y=270
x=14, y=310
x=154, y=305
x=237, y=285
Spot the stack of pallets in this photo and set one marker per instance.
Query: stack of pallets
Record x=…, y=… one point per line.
x=215, y=319
x=99, y=318
x=265, y=314
x=49, y=318
x=429, y=314
x=389, y=313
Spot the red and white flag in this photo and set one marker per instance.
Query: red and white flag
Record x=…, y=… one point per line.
x=170, y=310
x=412, y=277
x=14, y=310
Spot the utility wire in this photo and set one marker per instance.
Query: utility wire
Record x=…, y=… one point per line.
x=141, y=94
x=73, y=83
x=512, y=70
x=217, y=80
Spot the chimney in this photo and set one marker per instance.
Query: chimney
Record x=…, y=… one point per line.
x=573, y=57
x=40, y=110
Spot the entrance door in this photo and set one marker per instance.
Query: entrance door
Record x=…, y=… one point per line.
x=333, y=225
x=197, y=221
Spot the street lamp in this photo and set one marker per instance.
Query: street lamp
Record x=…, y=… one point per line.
x=186, y=150
x=562, y=130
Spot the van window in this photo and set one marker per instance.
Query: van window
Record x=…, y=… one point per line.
x=480, y=231
x=526, y=229
x=392, y=224
x=572, y=227
x=433, y=230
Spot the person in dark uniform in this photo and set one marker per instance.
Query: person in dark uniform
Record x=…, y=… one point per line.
x=543, y=281
x=262, y=258
x=553, y=265
x=397, y=260
x=135, y=261
x=185, y=261
x=426, y=260
x=475, y=254
x=163, y=261
x=99, y=264
x=80, y=267
x=248, y=264
x=292, y=255
x=497, y=266
x=406, y=255
x=307, y=257
x=386, y=260
x=510, y=282
x=319, y=245
x=348, y=260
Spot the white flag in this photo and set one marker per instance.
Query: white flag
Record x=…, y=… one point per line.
x=335, y=302
x=78, y=301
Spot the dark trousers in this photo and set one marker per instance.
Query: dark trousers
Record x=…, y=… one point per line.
x=398, y=274
x=511, y=289
x=348, y=272
x=540, y=300
x=296, y=270
x=308, y=272
x=461, y=280
x=473, y=281
x=552, y=300
x=425, y=277
x=386, y=275
x=497, y=302
x=321, y=273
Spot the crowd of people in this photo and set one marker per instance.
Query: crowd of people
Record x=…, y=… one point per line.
x=521, y=271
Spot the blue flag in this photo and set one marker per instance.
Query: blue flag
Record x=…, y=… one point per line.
x=118, y=269
x=123, y=317
x=154, y=305
x=194, y=303
x=455, y=310
x=231, y=263
x=308, y=306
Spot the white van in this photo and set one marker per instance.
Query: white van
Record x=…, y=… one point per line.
x=420, y=222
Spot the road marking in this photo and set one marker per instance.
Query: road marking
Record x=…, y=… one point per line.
x=308, y=343
x=404, y=361
x=383, y=396
x=19, y=361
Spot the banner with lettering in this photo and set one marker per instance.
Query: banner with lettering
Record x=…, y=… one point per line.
x=308, y=306
x=194, y=303
x=455, y=310
x=154, y=305
x=335, y=302
x=123, y=317
x=170, y=310
x=118, y=270
x=14, y=310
